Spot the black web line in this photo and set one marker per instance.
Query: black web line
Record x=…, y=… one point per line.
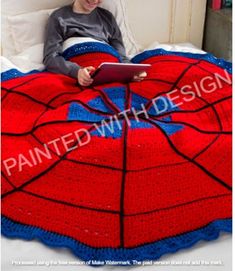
x=106, y=166
x=179, y=205
x=194, y=127
x=207, y=147
x=91, y=109
x=175, y=60
x=214, y=140
x=66, y=203
x=37, y=176
x=176, y=82
x=183, y=74
x=51, y=101
x=217, y=135
x=123, y=181
x=188, y=62
x=29, y=97
x=46, y=124
x=67, y=121
x=100, y=123
x=6, y=178
x=22, y=83
x=220, y=127
x=188, y=158
x=52, y=166
x=76, y=161
x=82, y=206
x=86, y=122
x=93, y=165
x=110, y=167
x=70, y=101
x=174, y=86
x=20, y=189
x=156, y=81
x=211, y=73
x=216, y=114
x=107, y=101
x=64, y=93
x=208, y=105
x=174, y=235
x=128, y=170
x=31, y=132
x=4, y=96
x=12, y=90
x=117, y=212
x=143, y=243
x=59, y=121
x=58, y=96
x=47, y=105
x=191, y=64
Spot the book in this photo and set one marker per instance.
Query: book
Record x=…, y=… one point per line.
x=216, y=4
x=227, y=3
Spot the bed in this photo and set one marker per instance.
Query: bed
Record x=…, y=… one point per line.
x=177, y=33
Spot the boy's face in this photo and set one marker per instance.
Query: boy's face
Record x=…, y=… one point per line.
x=88, y=5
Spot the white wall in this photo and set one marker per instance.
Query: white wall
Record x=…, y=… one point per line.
x=167, y=21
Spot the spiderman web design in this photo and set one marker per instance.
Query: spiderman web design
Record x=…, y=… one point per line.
x=108, y=109
x=111, y=102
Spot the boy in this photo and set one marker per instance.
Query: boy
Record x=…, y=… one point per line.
x=81, y=19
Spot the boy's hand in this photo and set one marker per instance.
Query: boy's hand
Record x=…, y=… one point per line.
x=139, y=77
x=84, y=78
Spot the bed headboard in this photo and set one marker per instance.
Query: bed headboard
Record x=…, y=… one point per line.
x=165, y=21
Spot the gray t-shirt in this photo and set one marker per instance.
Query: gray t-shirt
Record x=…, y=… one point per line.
x=64, y=23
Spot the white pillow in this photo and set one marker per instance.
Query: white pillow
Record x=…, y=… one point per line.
x=30, y=59
x=16, y=7
x=28, y=29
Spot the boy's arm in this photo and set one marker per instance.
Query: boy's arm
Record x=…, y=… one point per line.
x=53, y=59
x=116, y=41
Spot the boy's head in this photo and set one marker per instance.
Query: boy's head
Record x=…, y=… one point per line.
x=87, y=6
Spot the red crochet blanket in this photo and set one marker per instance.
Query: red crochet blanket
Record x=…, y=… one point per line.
x=118, y=171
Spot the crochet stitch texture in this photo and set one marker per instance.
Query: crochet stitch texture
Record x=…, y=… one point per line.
x=154, y=186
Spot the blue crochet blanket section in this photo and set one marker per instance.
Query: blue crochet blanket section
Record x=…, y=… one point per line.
x=93, y=47
x=153, y=251
x=89, y=47
x=161, y=52
x=14, y=73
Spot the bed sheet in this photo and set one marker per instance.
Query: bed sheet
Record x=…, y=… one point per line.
x=217, y=254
